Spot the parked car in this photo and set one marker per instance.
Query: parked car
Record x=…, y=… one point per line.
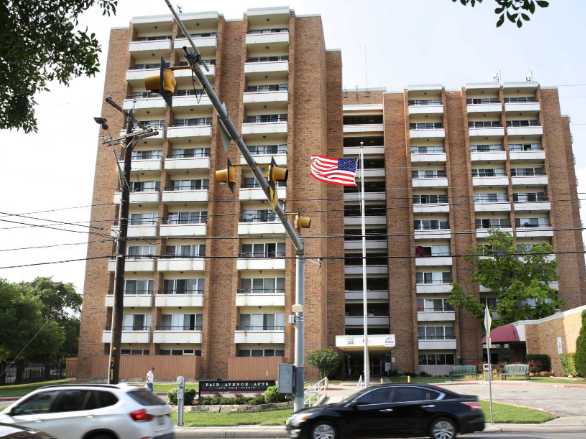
x=391, y=410
x=11, y=431
x=93, y=411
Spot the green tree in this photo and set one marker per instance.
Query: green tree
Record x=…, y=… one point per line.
x=581, y=349
x=516, y=11
x=520, y=283
x=327, y=361
x=40, y=42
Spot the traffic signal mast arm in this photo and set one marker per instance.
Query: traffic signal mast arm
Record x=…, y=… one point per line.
x=193, y=58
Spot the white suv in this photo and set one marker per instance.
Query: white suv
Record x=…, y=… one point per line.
x=93, y=411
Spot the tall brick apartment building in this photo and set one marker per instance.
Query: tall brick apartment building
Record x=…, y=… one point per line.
x=209, y=279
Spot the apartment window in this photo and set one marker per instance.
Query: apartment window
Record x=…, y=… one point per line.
x=258, y=216
x=187, y=92
x=144, y=218
x=523, y=123
x=137, y=251
x=370, y=210
x=262, y=322
x=180, y=352
x=150, y=154
x=367, y=119
x=194, y=217
x=529, y=197
x=425, y=125
x=437, y=358
x=144, y=186
x=525, y=147
x=511, y=99
x=264, y=88
x=431, y=224
x=430, y=199
x=127, y=351
x=367, y=141
x=271, y=30
x=135, y=322
x=483, y=100
x=484, y=124
x=189, y=153
x=486, y=147
x=189, y=185
x=186, y=250
x=442, y=331
x=423, y=251
x=263, y=250
x=490, y=197
x=260, y=352
x=425, y=101
x=433, y=277
x=154, y=124
x=532, y=222
x=267, y=58
x=250, y=182
x=153, y=38
x=372, y=283
x=431, y=149
x=184, y=286
x=428, y=173
x=434, y=305
x=372, y=259
x=138, y=286
x=527, y=172
x=144, y=66
x=262, y=285
x=369, y=186
x=488, y=172
x=180, y=322
x=266, y=118
x=194, y=121
x=280, y=148
x=492, y=223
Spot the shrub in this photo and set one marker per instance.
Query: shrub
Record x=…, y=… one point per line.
x=568, y=364
x=539, y=363
x=272, y=395
x=188, y=396
x=172, y=396
x=257, y=400
x=581, y=349
x=327, y=361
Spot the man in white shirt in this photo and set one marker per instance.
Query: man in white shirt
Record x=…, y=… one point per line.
x=150, y=379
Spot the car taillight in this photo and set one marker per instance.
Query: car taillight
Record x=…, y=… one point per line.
x=474, y=405
x=141, y=415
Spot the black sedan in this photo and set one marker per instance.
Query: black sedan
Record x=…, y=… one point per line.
x=391, y=410
x=11, y=431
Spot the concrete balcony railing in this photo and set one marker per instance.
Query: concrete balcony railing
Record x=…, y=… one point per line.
x=370, y=269
x=485, y=233
x=492, y=107
x=430, y=182
x=368, y=150
x=138, y=230
x=181, y=264
x=273, y=228
x=182, y=230
x=433, y=261
x=179, y=300
x=134, y=264
x=490, y=181
x=488, y=156
x=278, y=38
x=426, y=109
x=257, y=194
x=179, y=196
x=274, y=336
x=189, y=132
x=251, y=128
x=431, y=208
x=150, y=165
x=534, y=232
x=265, y=159
x=376, y=342
x=436, y=316
x=177, y=336
x=434, y=133
x=433, y=288
x=527, y=155
x=535, y=180
x=139, y=103
x=138, y=336
x=132, y=300
x=499, y=206
x=379, y=220
x=433, y=234
x=534, y=206
x=140, y=197
x=372, y=320
x=180, y=164
x=200, y=42
x=486, y=132
x=368, y=196
x=259, y=68
x=525, y=131
x=244, y=298
x=267, y=97
x=191, y=102
x=447, y=344
x=370, y=244
x=260, y=264
x=356, y=295
x=435, y=157
x=523, y=107
x=364, y=128
x=157, y=46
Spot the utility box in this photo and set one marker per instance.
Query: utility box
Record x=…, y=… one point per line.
x=286, y=378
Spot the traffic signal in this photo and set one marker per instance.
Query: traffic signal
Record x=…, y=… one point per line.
x=275, y=174
x=227, y=175
x=164, y=83
x=301, y=222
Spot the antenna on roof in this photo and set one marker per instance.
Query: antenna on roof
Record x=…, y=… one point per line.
x=529, y=77
x=497, y=77
x=180, y=9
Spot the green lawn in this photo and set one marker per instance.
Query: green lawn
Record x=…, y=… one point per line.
x=271, y=417
x=17, y=390
x=512, y=414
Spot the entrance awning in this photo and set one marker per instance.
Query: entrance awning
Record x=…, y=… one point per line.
x=504, y=334
x=376, y=342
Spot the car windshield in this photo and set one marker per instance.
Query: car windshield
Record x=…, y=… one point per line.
x=144, y=397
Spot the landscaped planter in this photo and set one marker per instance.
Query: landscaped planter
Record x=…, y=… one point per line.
x=239, y=407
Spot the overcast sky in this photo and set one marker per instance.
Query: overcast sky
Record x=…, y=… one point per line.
x=384, y=43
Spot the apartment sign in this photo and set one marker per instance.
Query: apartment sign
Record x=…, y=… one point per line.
x=234, y=386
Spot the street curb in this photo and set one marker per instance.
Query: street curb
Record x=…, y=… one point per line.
x=533, y=428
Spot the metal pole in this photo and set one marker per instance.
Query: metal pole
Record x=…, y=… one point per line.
x=364, y=283
x=118, y=307
x=299, y=401
x=488, y=343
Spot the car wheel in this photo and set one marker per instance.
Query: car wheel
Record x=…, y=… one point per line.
x=443, y=428
x=102, y=436
x=323, y=430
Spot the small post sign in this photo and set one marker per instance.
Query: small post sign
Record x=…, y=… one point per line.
x=180, y=399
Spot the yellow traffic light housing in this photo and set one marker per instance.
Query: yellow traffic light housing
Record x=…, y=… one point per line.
x=301, y=222
x=227, y=175
x=164, y=83
x=275, y=174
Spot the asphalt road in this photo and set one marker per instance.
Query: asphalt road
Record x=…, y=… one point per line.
x=579, y=435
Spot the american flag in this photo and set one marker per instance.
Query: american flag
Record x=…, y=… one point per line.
x=335, y=171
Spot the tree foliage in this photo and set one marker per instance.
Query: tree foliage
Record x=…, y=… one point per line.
x=40, y=42
x=327, y=361
x=515, y=11
x=581, y=349
x=519, y=281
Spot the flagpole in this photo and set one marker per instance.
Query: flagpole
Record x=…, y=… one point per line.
x=364, y=283
x=488, y=340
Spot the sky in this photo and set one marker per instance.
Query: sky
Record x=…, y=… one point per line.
x=384, y=43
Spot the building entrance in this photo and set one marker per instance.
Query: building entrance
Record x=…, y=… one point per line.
x=354, y=364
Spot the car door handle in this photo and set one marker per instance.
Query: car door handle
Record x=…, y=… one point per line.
x=428, y=406
x=386, y=410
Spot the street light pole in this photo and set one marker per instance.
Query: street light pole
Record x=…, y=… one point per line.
x=364, y=280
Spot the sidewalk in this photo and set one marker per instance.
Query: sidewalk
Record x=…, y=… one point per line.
x=570, y=424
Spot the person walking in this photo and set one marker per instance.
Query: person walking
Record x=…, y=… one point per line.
x=150, y=379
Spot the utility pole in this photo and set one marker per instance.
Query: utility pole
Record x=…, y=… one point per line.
x=194, y=60
x=364, y=280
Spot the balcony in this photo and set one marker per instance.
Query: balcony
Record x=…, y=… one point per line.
x=139, y=197
x=436, y=316
x=433, y=288
x=191, y=102
x=181, y=264
x=534, y=232
x=356, y=295
x=491, y=107
x=260, y=264
x=134, y=264
x=138, y=230
x=180, y=164
x=273, y=336
x=368, y=220
x=535, y=130
x=149, y=165
x=368, y=196
x=264, y=67
x=370, y=245
x=431, y=208
x=490, y=181
x=372, y=320
x=266, y=38
x=179, y=300
x=533, y=206
x=373, y=172
x=497, y=206
x=189, y=132
x=142, y=336
x=177, y=336
x=524, y=107
x=370, y=269
x=201, y=42
x=158, y=46
x=426, y=109
x=368, y=150
x=268, y=97
x=527, y=155
x=140, y=103
x=433, y=261
x=264, y=128
x=211, y=71
x=252, y=298
x=265, y=159
x=430, y=182
x=436, y=157
x=488, y=156
x=260, y=228
x=138, y=75
x=485, y=233
x=376, y=342
x=433, y=133
x=196, y=196
x=363, y=128
x=433, y=234
x=133, y=300
x=444, y=344
x=183, y=230
x=255, y=194
x=534, y=180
